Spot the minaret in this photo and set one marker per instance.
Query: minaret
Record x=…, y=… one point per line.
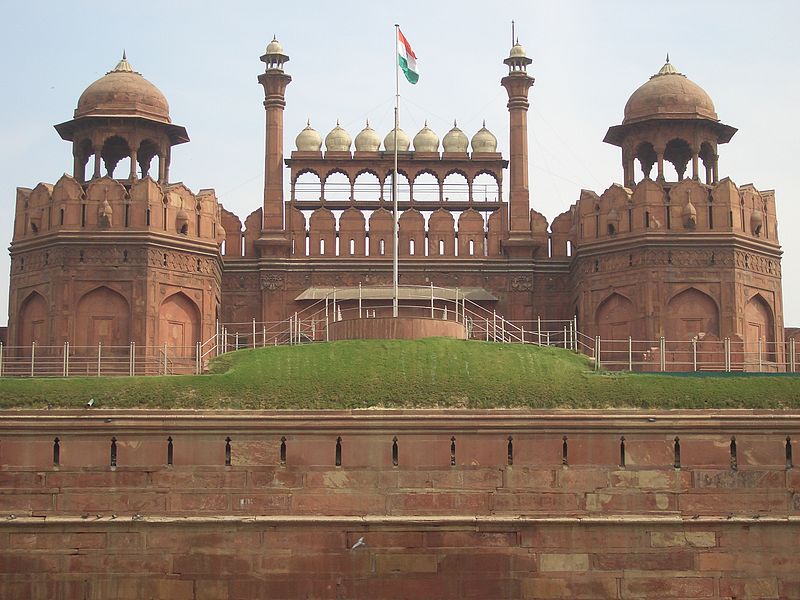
x=274, y=81
x=517, y=83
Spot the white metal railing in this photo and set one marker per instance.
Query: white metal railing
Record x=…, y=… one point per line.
x=69, y=360
x=311, y=324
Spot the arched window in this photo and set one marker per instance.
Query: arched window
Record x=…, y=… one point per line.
x=308, y=187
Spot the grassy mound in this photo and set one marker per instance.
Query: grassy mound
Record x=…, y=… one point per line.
x=435, y=372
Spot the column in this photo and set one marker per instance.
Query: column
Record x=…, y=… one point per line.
x=162, y=167
x=660, y=161
x=695, y=166
x=517, y=85
x=274, y=82
x=133, y=165
x=96, y=174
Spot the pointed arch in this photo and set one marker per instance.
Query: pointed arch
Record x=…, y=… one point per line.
x=690, y=313
x=33, y=323
x=617, y=318
x=759, y=329
x=102, y=316
x=179, y=325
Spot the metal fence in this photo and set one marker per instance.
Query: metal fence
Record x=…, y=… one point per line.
x=311, y=324
x=67, y=360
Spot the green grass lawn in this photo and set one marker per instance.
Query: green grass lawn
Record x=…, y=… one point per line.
x=427, y=373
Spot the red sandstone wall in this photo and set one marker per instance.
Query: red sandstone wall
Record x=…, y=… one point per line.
x=479, y=528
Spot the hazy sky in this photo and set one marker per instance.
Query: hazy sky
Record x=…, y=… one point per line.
x=589, y=56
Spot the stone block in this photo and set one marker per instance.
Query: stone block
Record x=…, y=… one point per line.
x=630, y=502
x=25, y=503
x=537, y=450
x=343, y=478
x=57, y=541
x=280, y=477
x=745, y=588
x=470, y=539
x=264, y=504
x=584, y=538
x=581, y=478
x=705, y=451
x=406, y=563
x=521, y=478
x=563, y=562
x=260, y=452
x=746, y=503
x=747, y=479
x=644, y=561
x=200, y=450
x=388, y=539
x=198, y=502
x=576, y=587
x=106, y=479
x=438, y=502
x=677, y=539
x=482, y=450
x=651, y=479
x=533, y=502
x=338, y=504
x=667, y=587
x=192, y=478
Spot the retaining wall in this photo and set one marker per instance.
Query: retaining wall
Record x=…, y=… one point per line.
x=447, y=504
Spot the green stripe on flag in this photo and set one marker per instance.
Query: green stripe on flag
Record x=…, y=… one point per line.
x=410, y=75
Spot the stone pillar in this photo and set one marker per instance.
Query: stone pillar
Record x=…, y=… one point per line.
x=715, y=170
x=660, y=162
x=78, y=167
x=133, y=165
x=274, y=81
x=695, y=166
x=96, y=174
x=517, y=84
x=628, y=170
x=162, y=167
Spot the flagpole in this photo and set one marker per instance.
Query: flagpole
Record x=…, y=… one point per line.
x=395, y=273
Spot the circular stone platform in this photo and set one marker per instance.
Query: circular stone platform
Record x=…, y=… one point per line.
x=395, y=328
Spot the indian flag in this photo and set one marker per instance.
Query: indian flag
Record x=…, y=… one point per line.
x=406, y=58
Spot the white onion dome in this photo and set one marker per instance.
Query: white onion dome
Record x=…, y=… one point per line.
x=455, y=140
x=368, y=140
x=274, y=47
x=338, y=140
x=517, y=51
x=308, y=140
x=426, y=140
x=403, y=142
x=484, y=140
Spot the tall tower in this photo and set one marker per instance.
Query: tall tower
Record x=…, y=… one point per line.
x=517, y=83
x=273, y=242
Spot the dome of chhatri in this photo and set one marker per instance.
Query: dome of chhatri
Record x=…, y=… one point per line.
x=368, y=140
x=455, y=140
x=484, y=140
x=426, y=140
x=338, y=140
x=123, y=92
x=670, y=95
x=517, y=51
x=308, y=140
x=274, y=47
x=403, y=142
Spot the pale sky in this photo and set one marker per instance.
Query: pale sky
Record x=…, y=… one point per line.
x=588, y=57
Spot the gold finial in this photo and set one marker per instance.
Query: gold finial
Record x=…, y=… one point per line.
x=667, y=56
x=426, y=123
x=367, y=127
x=124, y=56
x=484, y=123
x=455, y=124
x=308, y=122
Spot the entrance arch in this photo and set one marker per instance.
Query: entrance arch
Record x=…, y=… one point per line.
x=32, y=325
x=617, y=318
x=179, y=325
x=103, y=317
x=689, y=313
x=759, y=328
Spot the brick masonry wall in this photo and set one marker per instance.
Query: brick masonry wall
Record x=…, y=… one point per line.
x=605, y=523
